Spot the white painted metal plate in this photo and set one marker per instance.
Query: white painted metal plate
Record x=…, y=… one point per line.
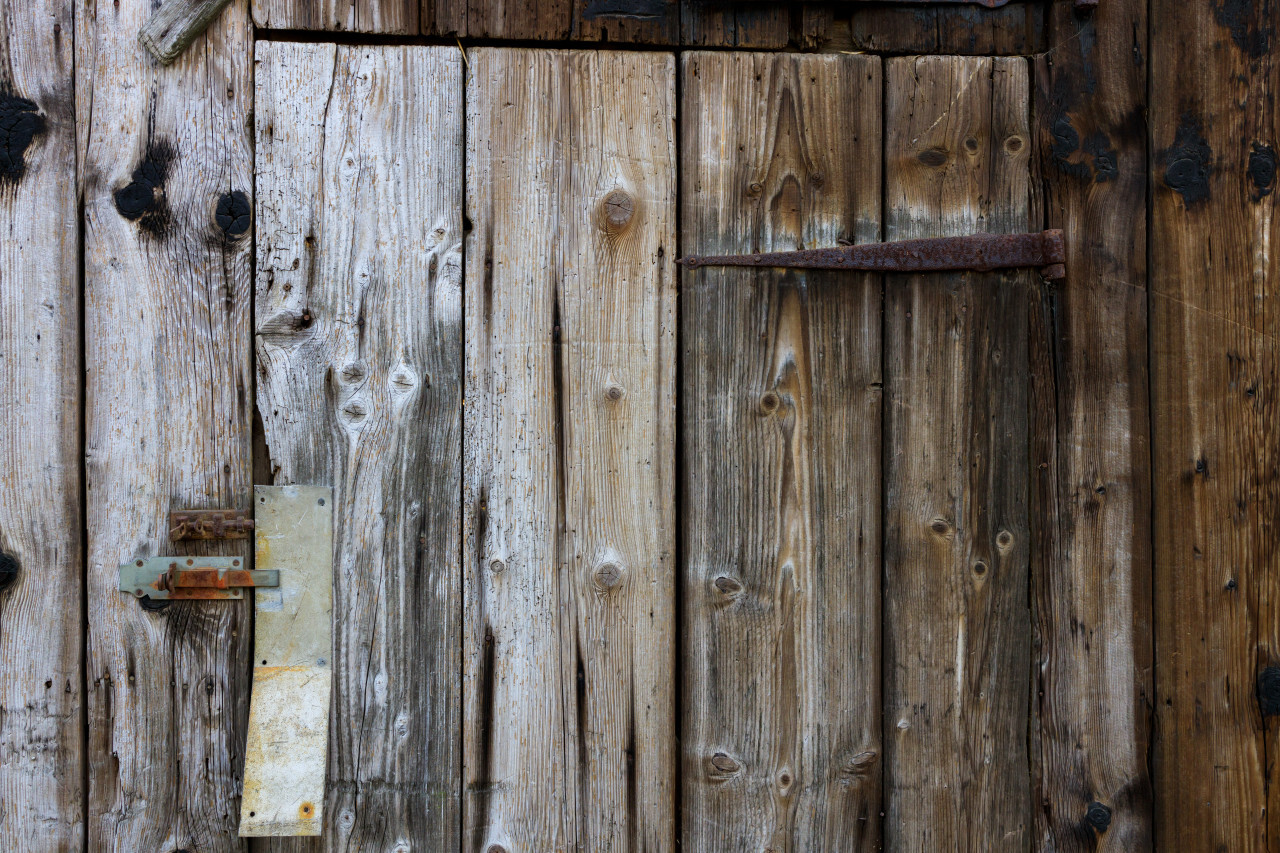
x=284, y=771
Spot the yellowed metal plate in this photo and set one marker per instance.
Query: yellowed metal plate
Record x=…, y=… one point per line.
x=284, y=773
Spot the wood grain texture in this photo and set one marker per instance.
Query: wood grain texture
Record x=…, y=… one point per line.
x=723, y=23
x=359, y=310
x=41, y=521
x=633, y=21
x=1092, y=511
x=388, y=17
x=1215, y=377
x=174, y=26
x=957, y=540
x=781, y=405
x=169, y=402
x=569, y=489
x=1018, y=28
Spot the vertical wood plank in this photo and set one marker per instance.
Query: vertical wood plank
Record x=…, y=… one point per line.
x=957, y=540
x=781, y=404
x=1215, y=377
x=388, y=17
x=41, y=623
x=1092, y=512
x=359, y=308
x=166, y=170
x=569, y=652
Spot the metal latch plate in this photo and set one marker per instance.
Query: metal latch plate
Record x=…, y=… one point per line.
x=192, y=578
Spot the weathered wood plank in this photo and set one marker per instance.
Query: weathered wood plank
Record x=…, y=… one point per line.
x=957, y=541
x=166, y=171
x=175, y=25
x=508, y=19
x=1215, y=373
x=1017, y=28
x=634, y=21
x=389, y=17
x=569, y=647
x=781, y=402
x=1092, y=511
x=725, y=23
x=359, y=169
x=41, y=738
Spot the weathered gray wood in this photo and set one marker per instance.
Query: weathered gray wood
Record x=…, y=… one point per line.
x=782, y=436
x=957, y=540
x=174, y=26
x=169, y=397
x=41, y=624
x=389, y=17
x=1215, y=377
x=569, y=646
x=358, y=312
x=1092, y=510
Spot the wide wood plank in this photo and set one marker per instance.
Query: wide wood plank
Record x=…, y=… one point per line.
x=41, y=623
x=1092, y=511
x=957, y=539
x=1215, y=373
x=388, y=17
x=167, y=179
x=781, y=405
x=359, y=311
x=569, y=648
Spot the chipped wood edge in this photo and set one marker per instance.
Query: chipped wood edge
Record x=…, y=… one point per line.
x=287, y=749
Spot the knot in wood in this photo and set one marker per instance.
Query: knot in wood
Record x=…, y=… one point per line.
x=608, y=575
x=8, y=571
x=728, y=586
x=614, y=392
x=722, y=766
x=1098, y=816
x=860, y=766
x=619, y=207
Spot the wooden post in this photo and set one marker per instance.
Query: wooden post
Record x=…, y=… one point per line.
x=1215, y=376
x=1092, y=474
x=167, y=169
x=957, y=539
x=359, y=165
x=41, y=622
x=569, y=647
x=781, y=403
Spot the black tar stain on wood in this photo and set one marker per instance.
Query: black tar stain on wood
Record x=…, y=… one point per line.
x=1269, y=691
x=1188, y=162
x=233, y=213
x=1098, y=816
x=642, y=9
x=1240, y=18
x=1099, y=164
x=1262, y=170
x=20, y=123
x=143, y=200
x=9, y=569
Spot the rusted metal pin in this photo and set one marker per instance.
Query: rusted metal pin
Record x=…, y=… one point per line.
x=978, y=252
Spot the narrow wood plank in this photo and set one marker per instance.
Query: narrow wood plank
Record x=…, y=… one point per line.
x=1017, y=28
x=628, y=21
x=288, y=740
x=41, y=623
x=725, y=23
x=388, y=17
x=957, y=540
x=1092, y=512
x=781, y=407
x=514, y=19
x=569, y=647
x=1215, y=372
x=166, y=170
x=359, y=170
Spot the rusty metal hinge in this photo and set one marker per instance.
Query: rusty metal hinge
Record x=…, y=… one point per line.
x=979, y=252
x=209, y=524
x=192, y=578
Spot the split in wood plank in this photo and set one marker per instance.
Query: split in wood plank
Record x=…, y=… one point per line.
x=359, y=343
x=569, y=489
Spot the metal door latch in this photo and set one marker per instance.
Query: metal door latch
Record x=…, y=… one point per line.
x=978, y=252
x=209, y=524
x=192, y=578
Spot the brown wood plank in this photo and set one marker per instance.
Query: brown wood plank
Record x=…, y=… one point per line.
x=1092, y=566
x=359, y=311
x=781, y=406
x=1214, y=374
x=169, y=403
x=633, y=21
x=726, y=23
x=389, y=17
x=957, y=541
x=569, y=642
x=1017, y=28
x=41, y=520
x=514, y=19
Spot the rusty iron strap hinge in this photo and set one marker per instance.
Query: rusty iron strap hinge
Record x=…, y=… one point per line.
x=979, y=252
